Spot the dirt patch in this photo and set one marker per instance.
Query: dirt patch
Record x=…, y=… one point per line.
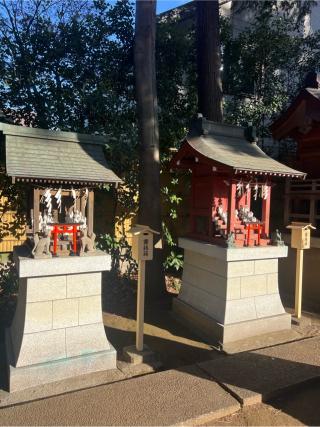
x=175, y=344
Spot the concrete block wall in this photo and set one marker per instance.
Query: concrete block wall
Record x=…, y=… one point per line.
x=58, y=317
x=231, y=291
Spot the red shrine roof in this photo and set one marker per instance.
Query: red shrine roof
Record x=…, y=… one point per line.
x=227, y=145
x=299, y=116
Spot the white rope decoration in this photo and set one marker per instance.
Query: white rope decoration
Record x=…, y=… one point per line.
x=239, y=188
x=47, y=200
x=265, y=192
x=259, y=190
x=255, y=191
x=58, y=196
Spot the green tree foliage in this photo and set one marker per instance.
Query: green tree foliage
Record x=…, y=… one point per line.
x=67, y=65
x=262, y=69
x=264, y=65
x=13, y=200
x=266, y=10
x=176, y=76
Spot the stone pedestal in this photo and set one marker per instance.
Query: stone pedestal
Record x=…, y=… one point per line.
x=57, y=331
x=229, y=294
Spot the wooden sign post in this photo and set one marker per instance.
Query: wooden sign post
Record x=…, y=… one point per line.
x=140, y=304
x=300, y=240
x=142, y=251
x=298, y=286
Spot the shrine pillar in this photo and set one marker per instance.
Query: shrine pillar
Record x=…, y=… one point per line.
x=231, y=208
x=266, y=211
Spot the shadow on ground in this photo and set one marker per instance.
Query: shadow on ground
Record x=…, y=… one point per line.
x=244, y=375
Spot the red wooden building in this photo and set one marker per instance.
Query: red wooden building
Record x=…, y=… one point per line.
x=231, y=184
x=301, y=122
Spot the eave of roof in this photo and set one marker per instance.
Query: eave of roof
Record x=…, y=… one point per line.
x=227, y=147
x=241, y=155
x=304, y=107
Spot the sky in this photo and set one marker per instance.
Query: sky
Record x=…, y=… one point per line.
x=163, y=5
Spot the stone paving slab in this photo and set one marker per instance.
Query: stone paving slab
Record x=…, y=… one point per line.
x=186, y=397
x=61, y=387
x=124, y=371
x=262, y=341
x=258, y=375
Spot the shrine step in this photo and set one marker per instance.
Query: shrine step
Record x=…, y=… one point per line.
x=219, y=222
x=240, y=236
x=239, y=227
x=264, y=242
x=253, y=242
x=221, y=227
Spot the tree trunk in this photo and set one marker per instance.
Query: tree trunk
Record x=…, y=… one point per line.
x=146, y=96
x=209, y=62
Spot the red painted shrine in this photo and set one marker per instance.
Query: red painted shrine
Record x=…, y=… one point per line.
x=301, y=122
x=231, y=184
x=229, y=285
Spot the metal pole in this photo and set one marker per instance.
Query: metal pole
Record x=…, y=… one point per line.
x=140, y=305
x=298, y=291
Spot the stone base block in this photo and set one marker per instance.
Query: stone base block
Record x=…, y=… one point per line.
x=34, y=375
x=132, y=355
x=57, y=331
x=219, y=335
x=231, y=294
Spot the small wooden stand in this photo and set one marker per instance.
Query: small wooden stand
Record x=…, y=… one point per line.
x=300, y=240
x=142, y=251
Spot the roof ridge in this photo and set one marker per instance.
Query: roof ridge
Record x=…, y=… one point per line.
x=48, y=134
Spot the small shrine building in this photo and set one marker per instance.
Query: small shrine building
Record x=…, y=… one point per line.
x=229, y=288
x=61, y=171
x=231, y=183
x=57, y=331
